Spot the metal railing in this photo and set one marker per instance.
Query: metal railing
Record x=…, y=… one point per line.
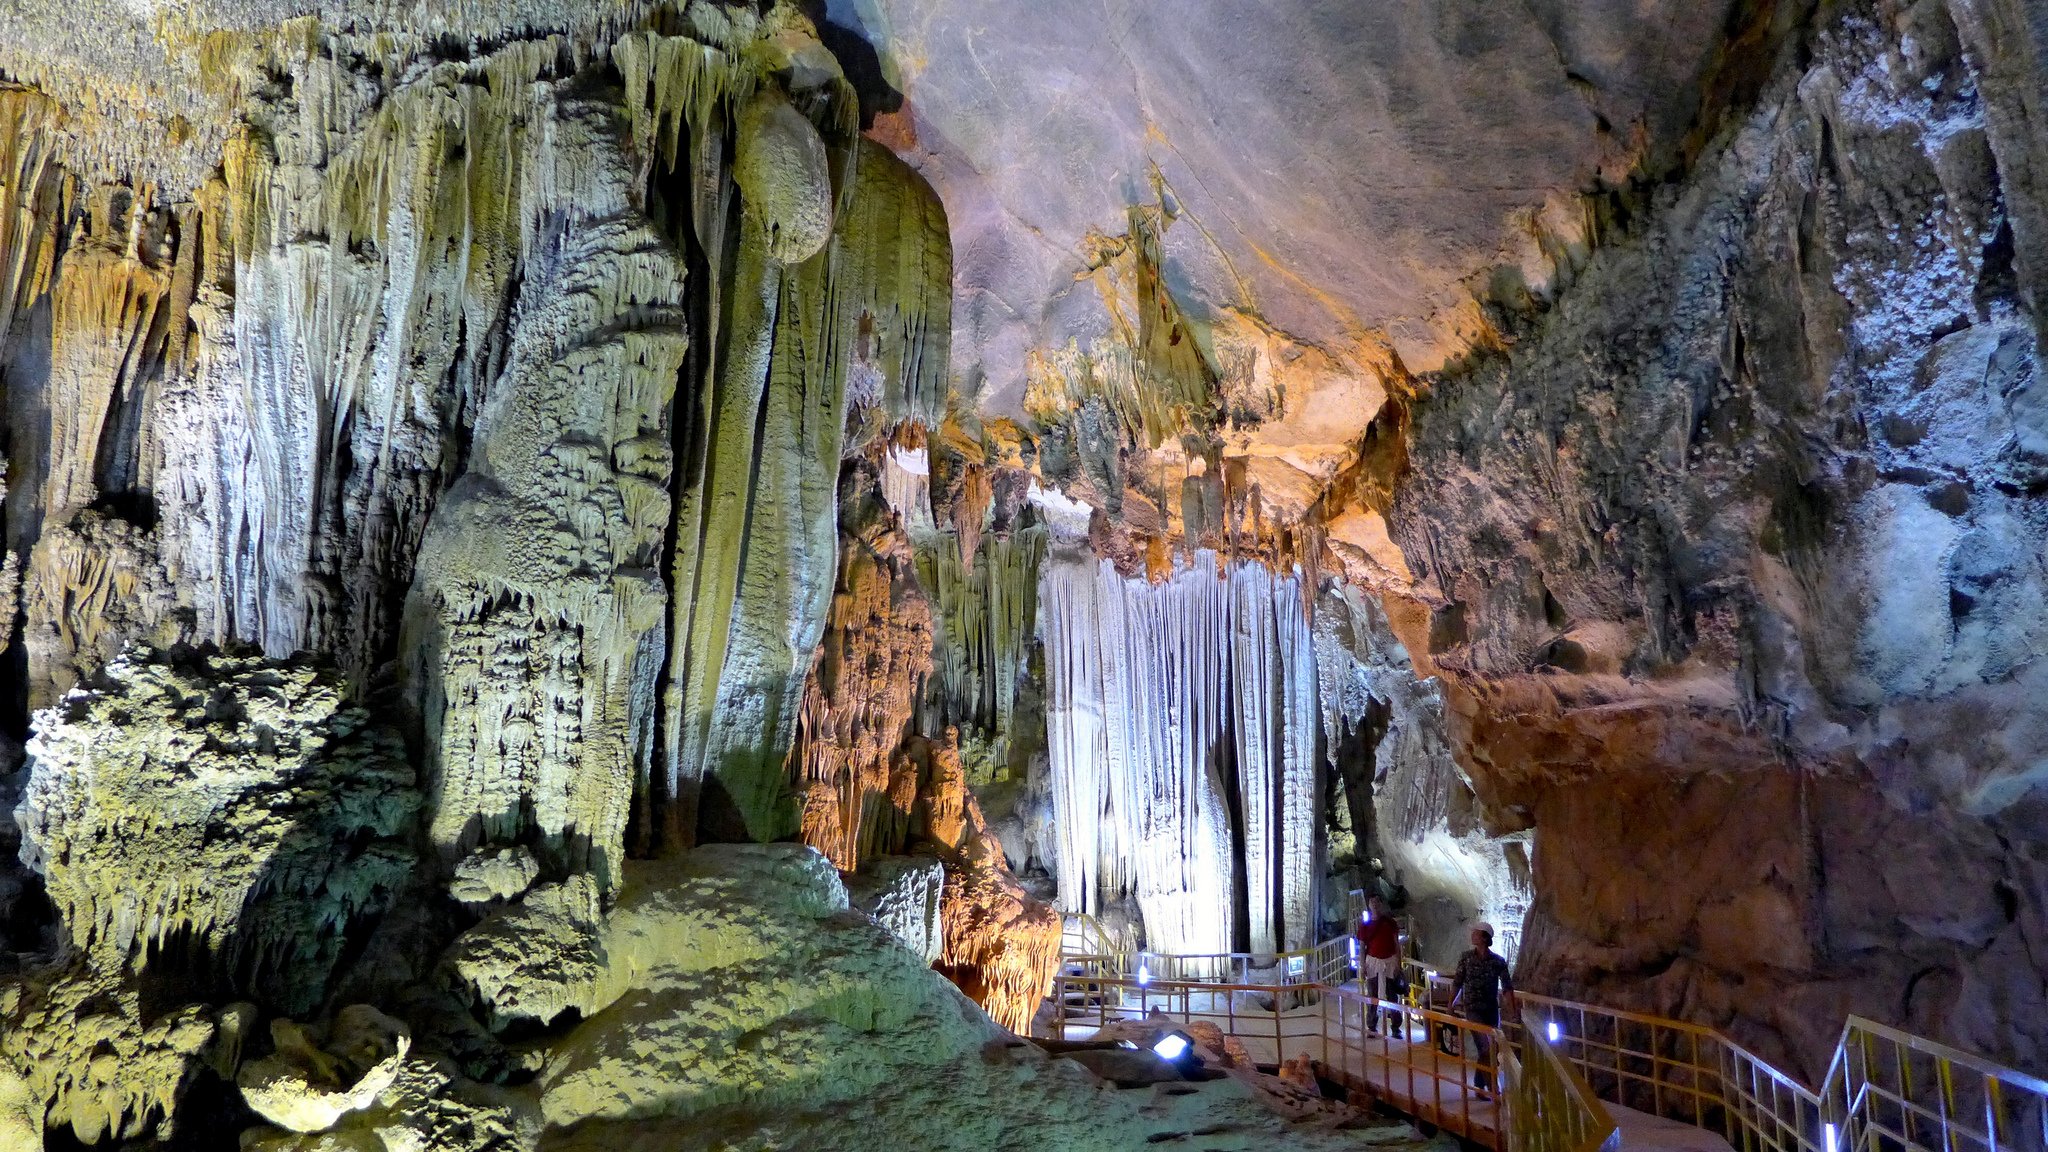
x=1896, y=1092
x=1553, y=1108
x=1886, y=1090
x=1433, y=1069
x=1326, y=963
x=1084, y=935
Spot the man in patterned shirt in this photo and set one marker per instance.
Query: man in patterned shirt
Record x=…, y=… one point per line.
x=1481, y=985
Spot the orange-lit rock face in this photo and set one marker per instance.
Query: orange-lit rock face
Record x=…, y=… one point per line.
x=1002, y=946
x=857, y=793
x=870, y=786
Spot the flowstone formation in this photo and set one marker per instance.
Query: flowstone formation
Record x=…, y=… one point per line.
x=740, y=1002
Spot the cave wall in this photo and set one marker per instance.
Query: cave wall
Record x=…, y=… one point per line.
x=1751, y=504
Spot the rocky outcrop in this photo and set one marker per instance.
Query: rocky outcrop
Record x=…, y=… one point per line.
x=309, y=1083
x=1755, y=499
x=231, y=806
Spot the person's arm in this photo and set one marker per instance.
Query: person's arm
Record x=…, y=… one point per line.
x=1507, y=990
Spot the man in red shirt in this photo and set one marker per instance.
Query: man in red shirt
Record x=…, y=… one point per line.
x=1379, y=962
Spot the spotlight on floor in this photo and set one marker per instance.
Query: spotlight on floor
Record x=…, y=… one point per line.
x=1172, y=1046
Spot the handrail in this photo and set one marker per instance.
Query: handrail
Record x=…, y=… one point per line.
x=1431, y=1078
x=1553, y=1109
x=1886, y=1089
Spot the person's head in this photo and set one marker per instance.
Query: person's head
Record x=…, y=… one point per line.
x=1482, y=936
x=1377, y=905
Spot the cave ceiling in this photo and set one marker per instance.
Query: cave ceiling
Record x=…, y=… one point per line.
x=1351, y=176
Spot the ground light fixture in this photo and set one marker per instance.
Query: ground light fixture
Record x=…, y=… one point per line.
x=1144, y=975
x=1172, y=1046
x=1828, y=1134
x=1555, y=1032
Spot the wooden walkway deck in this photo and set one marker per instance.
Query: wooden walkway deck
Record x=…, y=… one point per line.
x=1410, y=1074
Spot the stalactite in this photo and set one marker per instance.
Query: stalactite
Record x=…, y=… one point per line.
x=372, y=252
x=906, y=481
x=90, y=578
x=970, y=510
x=1145, y=682
x=32, y=201
x=986, y=619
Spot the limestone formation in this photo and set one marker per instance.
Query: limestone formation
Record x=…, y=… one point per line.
x=229, y=804
x=903, y=895
x=1169, y=707
x=486, y=875
x=307, y=1084
x=1752, y=500
x=81, y=1051
x=483, y=478
x=1405, y=799
x=783, y=177
x=858, y=705
x=525, y=962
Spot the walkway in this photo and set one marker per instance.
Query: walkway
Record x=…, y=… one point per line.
x=1411, y=1076
x=1568, y=1068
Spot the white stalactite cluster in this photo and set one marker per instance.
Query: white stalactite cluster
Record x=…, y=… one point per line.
x=1163, y=701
